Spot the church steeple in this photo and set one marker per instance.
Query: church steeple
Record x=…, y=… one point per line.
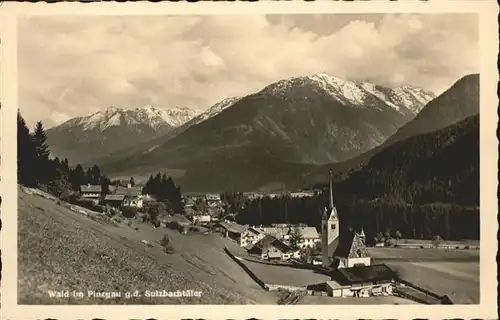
x=331, y=211
x=330, y=178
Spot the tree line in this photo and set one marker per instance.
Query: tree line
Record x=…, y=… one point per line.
x=417, y=221
x=164, y=190
x=36, y=168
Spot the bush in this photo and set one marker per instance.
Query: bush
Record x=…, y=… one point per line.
x=167, y=246
x=165, y=241
x=129, y=212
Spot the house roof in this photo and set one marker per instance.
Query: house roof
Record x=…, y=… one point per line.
x=351, y=246
x=114, y=197
x=233, y=227
x=91, y=188
x=177, y=218
x=270, y=241
x=370, y=273
x=308, y=232
x=212, y=196
x=133, y=191
x=277, y=232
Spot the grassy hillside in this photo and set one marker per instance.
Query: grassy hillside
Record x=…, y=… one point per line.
x=63, y=250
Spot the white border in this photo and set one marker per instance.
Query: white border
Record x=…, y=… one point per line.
x=488, y=11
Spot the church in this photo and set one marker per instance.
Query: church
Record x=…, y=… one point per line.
x=340, y=249
x=344, y=253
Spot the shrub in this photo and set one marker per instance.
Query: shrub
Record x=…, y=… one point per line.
x=129, y=212
x=166, y=244
x=165, y=241
x=466, y=247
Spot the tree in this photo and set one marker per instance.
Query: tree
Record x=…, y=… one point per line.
x=397, y=235
x=295, y=237
x=40, y=140
x=26, y=154
x=132, y=181
x=379, y=238
x=436, y=240
x=77, y=177
x=387, y=234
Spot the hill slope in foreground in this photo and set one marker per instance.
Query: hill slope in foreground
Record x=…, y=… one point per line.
x=63, y=250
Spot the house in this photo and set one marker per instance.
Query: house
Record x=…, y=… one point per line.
x=234, y=231
x=280, y=232
x=302, y=194
x=114, y=200
x=271, y=248
x=201, y=219
x=251, y=236
x=176, y=221
x=310, y=237
x=358, y=282
x=213, y=199
x=133, y=195
x=91, y=191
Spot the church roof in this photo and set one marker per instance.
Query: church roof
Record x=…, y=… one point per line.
x=377, y=272
x=270, y=241
x=351, y=246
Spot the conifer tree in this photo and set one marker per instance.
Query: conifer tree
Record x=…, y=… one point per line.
x=26, y=154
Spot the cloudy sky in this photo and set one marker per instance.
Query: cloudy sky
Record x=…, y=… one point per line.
x=74, y=66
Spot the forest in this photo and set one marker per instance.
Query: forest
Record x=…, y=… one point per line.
x=424, y=186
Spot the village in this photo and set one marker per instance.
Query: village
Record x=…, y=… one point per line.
x=293, y=258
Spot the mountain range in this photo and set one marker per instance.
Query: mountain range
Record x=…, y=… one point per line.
x=306, y=120
x=82, y=139
x=286, y=135
x=458, y=103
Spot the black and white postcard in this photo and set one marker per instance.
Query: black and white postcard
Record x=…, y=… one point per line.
x=339, y=159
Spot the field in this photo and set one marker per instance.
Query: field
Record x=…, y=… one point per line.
x=63, y=250
x=284, y=275
x=451, y=272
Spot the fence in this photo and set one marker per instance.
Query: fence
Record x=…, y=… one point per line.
x=247, y=270
x=442, y=299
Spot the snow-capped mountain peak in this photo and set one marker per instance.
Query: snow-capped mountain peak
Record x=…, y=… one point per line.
x=363, y=94
x=215, y=110
x=343, y=90
x=157, y=119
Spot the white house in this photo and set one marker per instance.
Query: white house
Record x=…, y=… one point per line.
x=310, y=237
x=90, y=191
x=202, y=219
x=213, y=199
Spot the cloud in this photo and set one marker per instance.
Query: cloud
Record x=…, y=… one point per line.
x=73, y=66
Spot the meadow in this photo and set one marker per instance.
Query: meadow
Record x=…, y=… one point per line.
x=454, y=272
x=60, y=249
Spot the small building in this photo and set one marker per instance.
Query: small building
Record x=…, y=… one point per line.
x=281, y=233
x=271, y=248
x=133, y=195
x=234, y=231
x=310, y=237
x=114, y=200
x=351, y=251
x=213, y=199
x=201, y=219
x=250, y=237
x=357, y=282
x=302, y=194
x=91, y=191
x=177, y=221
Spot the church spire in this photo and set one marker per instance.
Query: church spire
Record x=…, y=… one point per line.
x=330, y=178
